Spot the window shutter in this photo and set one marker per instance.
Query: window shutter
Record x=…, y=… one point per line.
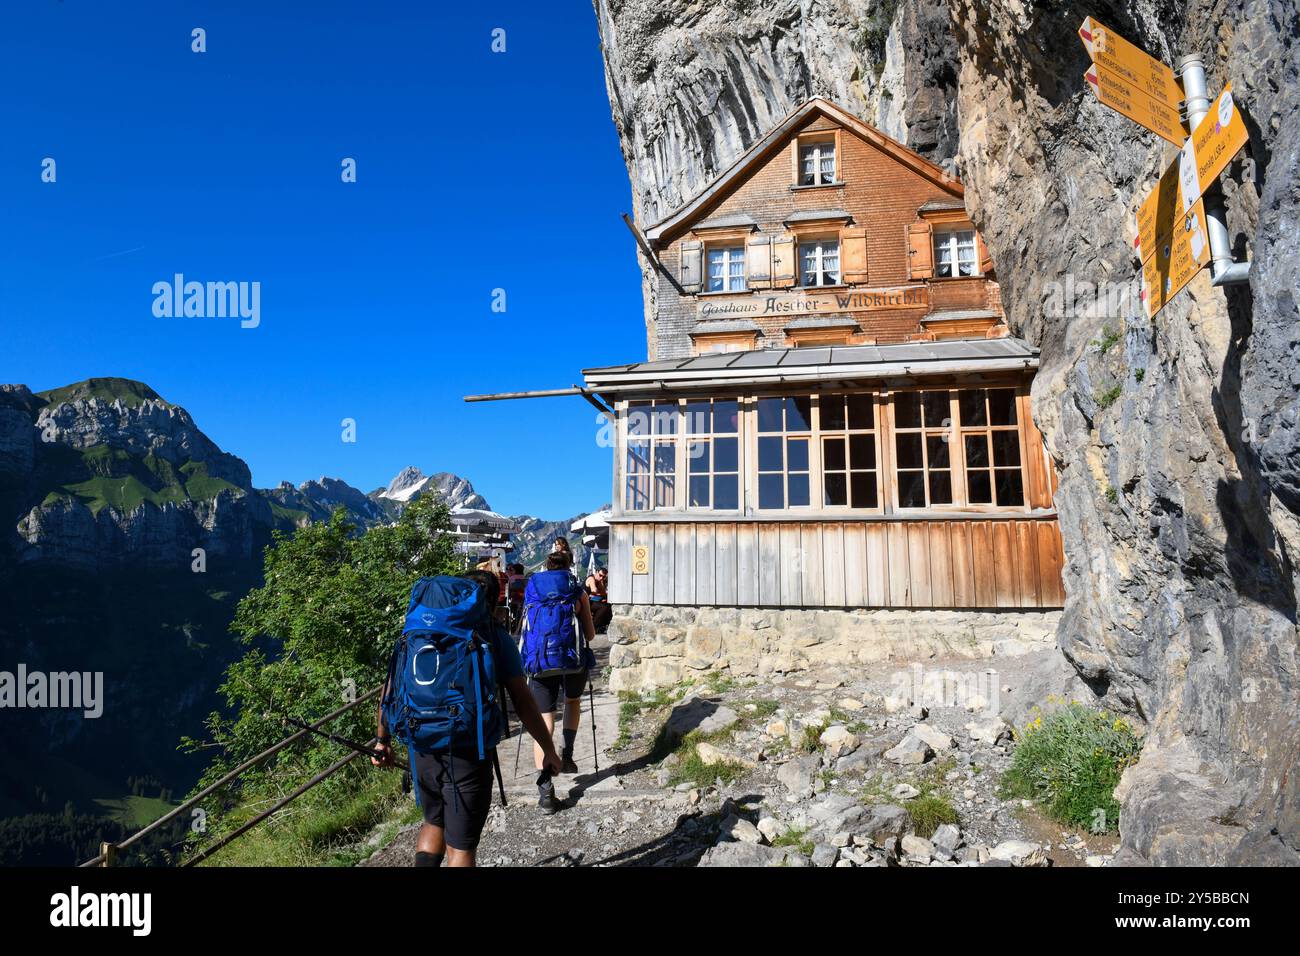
x=986, y=260
x=783, y=262
x=692, y=256
x=758, y=263
x=853, y=254
x=920, y=250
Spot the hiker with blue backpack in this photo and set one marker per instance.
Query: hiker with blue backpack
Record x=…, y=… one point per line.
x=443, y=700
x=557, y=657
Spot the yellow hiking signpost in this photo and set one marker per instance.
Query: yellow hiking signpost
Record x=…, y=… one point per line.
x=1115, y=91
x=1216, y=139
x=1181, y=223
x=1201, y=160
x=1175, y=259
x=1112, y=52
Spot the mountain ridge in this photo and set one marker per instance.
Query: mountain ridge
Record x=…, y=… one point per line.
x=106, y=472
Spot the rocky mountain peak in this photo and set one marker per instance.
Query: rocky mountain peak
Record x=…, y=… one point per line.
x=406, y=479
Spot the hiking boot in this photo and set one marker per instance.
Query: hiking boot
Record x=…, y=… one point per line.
x=566, y=763
x=546, y=794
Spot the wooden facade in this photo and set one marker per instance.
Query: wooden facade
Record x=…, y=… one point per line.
x=936, y=562
x=885, y=209
x=833, y=414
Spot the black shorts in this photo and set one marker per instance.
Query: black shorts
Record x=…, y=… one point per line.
x=455, y=794
x=546, y=690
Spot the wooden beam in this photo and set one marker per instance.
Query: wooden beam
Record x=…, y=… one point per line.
x=643, y=242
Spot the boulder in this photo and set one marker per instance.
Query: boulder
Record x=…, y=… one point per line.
x=797, y=775
x=933, y=736
x=910, y=750
x=771, y=828
x=738, y=828
x=735, y=853
x=946, y=841
x=1019, y=853
x=885, y=823
x=824, y=855
x=917, y=848
x=837, y=812
x=990, y=732
x=838, y=741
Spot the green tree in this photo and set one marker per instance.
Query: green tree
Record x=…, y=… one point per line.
x=320, y=627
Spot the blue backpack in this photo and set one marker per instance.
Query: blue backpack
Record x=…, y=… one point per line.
x=551, y=643
x=442, y=694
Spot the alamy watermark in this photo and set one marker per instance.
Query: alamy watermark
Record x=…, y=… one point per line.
x=974, y=691
x=62, y=690
x=208, y=300
x=1078, y=298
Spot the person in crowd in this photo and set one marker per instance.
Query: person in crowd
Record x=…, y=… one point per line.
x=598, y=592
x=455, y=787
x=556, y=649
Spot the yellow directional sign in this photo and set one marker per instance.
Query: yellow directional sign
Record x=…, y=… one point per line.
x=1110, y=50
x=1216, y=139
x=1175, y=260
x=1155, y=216
x=1119, y=94
x=1203, y=158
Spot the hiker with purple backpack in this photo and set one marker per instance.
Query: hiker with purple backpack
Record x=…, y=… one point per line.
x=555, y=644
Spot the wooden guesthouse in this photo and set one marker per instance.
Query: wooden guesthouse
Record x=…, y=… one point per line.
x=832, y=413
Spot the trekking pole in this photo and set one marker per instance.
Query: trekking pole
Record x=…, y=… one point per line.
x=595, y=750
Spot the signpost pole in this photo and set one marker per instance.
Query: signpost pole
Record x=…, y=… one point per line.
x=1223, y=270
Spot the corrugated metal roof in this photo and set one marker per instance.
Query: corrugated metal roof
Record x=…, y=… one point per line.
x=908, y=358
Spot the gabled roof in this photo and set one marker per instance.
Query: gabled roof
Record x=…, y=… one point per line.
x=683, y=217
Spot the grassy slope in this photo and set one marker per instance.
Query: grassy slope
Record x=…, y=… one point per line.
x=129, y=392
x=124, y=481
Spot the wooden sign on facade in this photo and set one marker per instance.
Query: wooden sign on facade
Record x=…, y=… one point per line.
x=812, y=303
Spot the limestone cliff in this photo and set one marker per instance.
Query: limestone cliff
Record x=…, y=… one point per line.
x=1176, y=440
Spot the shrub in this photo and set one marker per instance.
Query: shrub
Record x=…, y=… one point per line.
x=930, y=811
x=1070, y=760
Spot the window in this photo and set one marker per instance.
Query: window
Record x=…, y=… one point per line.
x=990, y=435
x=651, y=463
x=819, y=262
x=848, y=441
x=784, y=436
x=727, y=269
x=922, y=430
x=954, y=254
x=817, y=163
x=713, y=454
x=847, y=452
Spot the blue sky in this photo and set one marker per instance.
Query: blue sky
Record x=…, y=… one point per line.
x=475, y=171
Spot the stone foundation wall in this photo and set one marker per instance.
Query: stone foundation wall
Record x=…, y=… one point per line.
x=656, y=646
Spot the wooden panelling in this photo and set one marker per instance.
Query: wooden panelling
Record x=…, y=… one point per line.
x=725, y=591
x=833, y=575
x=748, y=586
x=963, y=569
x=684, y=558
x=995, y=562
